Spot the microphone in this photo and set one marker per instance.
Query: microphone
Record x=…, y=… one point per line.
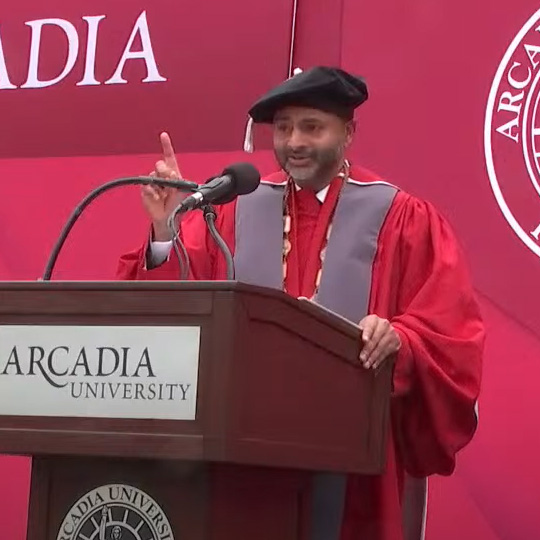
x=237, y=179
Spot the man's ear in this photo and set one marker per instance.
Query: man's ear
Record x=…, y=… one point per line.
x=351, y=130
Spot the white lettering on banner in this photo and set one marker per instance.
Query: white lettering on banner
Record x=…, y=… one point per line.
x=512, y=134
x=140, y=30
x=5, y=83
x=536, y=233
x=519, y=77
x=73, y=49
x=89, y=77
x=99, y=371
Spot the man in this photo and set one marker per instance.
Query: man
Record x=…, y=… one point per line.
x=324, y=229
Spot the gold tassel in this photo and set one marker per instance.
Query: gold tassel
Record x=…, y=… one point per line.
x=248, y=138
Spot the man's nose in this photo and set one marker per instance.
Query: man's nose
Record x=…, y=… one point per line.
x=297, y=139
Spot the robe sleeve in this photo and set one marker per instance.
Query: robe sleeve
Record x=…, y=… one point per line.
x=438, y=369
x=199, y=246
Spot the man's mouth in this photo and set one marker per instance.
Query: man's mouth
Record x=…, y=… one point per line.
x=299, y=161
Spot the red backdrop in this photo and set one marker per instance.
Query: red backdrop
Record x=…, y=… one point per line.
x=430, y=66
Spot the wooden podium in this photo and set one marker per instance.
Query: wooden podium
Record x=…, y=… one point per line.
x=281, y=397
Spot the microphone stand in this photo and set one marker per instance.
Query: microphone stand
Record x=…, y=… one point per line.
x=179, y=248
x=210, y=218
x=135, y=180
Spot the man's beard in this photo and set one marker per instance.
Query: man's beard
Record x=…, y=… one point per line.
x=324, y=162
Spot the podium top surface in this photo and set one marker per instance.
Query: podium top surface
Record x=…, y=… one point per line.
x=12, y=290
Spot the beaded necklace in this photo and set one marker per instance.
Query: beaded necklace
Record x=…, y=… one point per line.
x=287, y=223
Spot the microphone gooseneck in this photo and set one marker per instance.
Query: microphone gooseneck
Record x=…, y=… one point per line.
x=210, y=218
x=135, y=180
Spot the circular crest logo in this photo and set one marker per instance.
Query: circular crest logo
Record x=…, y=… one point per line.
x=115, y=512
x=512, y=134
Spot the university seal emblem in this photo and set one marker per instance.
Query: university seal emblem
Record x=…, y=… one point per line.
x=115, y=512
x=512, y=134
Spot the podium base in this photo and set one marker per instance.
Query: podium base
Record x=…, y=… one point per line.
x=113, y=499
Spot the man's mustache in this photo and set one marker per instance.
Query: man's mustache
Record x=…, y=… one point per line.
x=300, y=155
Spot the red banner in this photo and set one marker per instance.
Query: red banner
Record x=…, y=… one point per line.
x=452, y=117
x=95, y=78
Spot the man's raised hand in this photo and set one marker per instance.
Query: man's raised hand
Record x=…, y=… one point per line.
x=159, y=202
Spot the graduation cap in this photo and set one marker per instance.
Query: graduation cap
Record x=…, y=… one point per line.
x=325, y=88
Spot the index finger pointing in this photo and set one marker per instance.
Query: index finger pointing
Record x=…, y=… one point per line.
x=168, y=151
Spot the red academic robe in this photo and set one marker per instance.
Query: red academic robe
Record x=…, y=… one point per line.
x=421, y=284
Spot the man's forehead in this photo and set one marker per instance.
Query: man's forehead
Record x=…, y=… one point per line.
x=301, y=113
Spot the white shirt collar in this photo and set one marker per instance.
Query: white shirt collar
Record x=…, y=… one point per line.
x=321, y=194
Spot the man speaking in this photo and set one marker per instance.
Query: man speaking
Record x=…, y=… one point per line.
x=326, y=229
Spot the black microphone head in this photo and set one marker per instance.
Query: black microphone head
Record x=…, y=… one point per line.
x=245, y=178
